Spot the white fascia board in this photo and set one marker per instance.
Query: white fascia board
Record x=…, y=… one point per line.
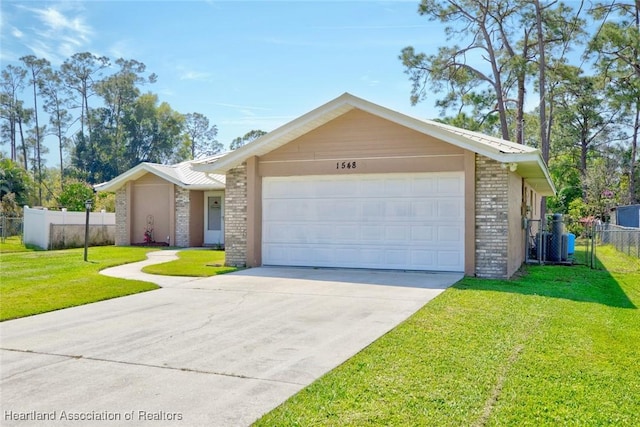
x=120, y=180
x=133, y=174
x=281, y=135
x=205, y=187
x=347, y=102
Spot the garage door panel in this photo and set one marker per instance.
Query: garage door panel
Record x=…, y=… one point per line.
x=449, y=258
x=398, y=233
x=451, y=209
x=372, y=233
x=370, y=187
x=449, y=186
x=398, y=210
x=402, y=221
x=423, y=186
x=373, y=210
x=396, y=258
x=422, y=233
x=423, y=259
x=370, y=256
x=449, y=234
x=296, y=210
x=424, y=209
x=394, y=186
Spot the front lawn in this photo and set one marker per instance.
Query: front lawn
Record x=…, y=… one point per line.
x=37, y=282
x=553, y=346
x=194, y=263
x=12, y=244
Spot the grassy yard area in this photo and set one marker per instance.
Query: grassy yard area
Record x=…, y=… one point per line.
x=554, y=346
x=12, y=244
x=195, y=263
x=33, y=282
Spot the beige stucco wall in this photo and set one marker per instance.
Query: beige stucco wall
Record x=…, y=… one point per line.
x=155, y=197
x=375, y=144
x=515, y=246
x=177, y=212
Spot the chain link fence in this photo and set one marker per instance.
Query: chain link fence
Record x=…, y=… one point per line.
x=10, y=227
x=624, y=239
x=552, y=244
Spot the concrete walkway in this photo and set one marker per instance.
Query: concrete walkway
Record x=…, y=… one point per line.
x=217, y=351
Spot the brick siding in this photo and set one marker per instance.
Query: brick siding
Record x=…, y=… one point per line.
x=492, y=224
x=182, y=216
x=235, y=224
x=122, y=233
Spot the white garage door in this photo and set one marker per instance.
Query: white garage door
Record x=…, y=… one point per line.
x=387, y=221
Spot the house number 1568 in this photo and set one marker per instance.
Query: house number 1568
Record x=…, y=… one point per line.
x=345, y=165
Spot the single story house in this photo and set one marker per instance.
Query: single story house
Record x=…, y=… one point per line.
x=352, y=184
x=172, y=204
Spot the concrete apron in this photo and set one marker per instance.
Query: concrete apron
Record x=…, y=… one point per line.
x=217, y=351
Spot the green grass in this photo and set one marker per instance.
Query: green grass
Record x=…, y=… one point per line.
x=36, y=282
x=12, y=244
x=195, y=263
x=554, y=346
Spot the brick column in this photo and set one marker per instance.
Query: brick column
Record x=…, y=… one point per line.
x=122, y=228
x=492, y=223
x=235, y=217
x=182, y=217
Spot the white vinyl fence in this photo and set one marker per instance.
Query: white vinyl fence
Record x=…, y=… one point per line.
x=62, y=229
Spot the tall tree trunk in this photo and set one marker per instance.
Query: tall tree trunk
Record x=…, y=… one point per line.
x=520, y=111
x=37, y=147
x=24, y=146
x=633, y=198
x=60, y=143
x=542, y=66
x=12, y=134
x=497, y=78
x=584, y=148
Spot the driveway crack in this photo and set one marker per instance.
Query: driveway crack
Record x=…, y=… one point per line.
x=40, y=366
x=150, y=365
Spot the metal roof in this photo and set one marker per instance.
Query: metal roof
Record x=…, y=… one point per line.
x=181, y=174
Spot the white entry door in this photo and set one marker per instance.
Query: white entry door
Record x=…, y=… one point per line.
x=392, y=221
x=213, y=218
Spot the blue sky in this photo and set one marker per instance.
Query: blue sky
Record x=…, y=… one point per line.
x=245, y=65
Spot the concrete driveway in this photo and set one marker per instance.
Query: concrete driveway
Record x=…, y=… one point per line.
x=198, y=352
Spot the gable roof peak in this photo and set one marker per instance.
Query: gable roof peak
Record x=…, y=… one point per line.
x=494, y=148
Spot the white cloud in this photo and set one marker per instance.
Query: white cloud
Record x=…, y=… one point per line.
x=187, y=73
x=195, y=75
x=57, y=33
x=121, y=49
x=369, y=81
x=249, y=108
x=266, y=123
x=59, y=23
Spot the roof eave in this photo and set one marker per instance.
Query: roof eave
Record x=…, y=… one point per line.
x=347, y=102
x=205, y=187
x=285, y=133
x=119, y=181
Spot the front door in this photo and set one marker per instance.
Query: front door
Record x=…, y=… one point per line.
x=213, y=218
